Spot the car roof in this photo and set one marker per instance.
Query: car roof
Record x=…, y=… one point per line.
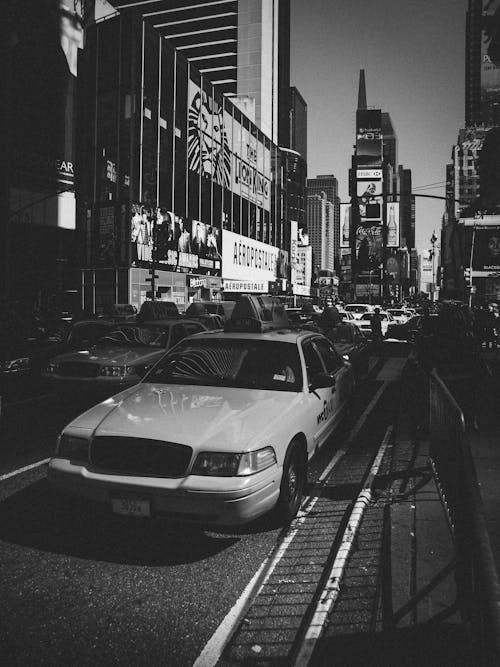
x=280, y=335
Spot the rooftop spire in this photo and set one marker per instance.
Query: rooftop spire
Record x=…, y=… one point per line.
x=362, y=90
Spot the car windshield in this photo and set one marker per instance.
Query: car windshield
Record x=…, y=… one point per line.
x=134, y=336
x=342, y=333
x=86, y=334
x=237, y=363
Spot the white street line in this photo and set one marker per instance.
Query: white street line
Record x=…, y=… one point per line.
x=213, y=649
x=21, y=470
x=216, y=644
x=331, y=590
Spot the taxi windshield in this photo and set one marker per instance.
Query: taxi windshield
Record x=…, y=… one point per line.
x=246, y=364
x=136, y=336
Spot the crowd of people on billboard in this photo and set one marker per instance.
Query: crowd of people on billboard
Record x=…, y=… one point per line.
x=176, y=241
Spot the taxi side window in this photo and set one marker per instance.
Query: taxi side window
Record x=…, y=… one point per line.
x=312, y=360
x=329, y=355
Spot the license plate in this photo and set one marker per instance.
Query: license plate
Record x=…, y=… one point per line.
x=131, y=507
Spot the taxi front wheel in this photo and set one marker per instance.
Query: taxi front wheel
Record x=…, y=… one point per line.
x=293, y=482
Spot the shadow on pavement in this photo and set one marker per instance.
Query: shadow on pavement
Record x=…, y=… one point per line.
x=38, y=518
x=442, y=645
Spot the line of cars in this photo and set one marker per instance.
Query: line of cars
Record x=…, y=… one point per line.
x=219, y=431
x=97, y=356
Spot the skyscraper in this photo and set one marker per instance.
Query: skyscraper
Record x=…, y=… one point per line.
x=482, y=63
x=323, y=220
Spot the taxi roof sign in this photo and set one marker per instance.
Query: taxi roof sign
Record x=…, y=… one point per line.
x=255, y=313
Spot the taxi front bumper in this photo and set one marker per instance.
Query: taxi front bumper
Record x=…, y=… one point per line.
x=208, y=500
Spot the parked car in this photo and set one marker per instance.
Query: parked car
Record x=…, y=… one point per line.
x=359, y=309
x=404, y=331
x=346, y=315
x=352, y=345
x=399, y=314
x=219, y=431
x=118, y=359
x=365, y=323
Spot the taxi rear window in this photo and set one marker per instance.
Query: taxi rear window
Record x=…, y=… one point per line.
x=249, y=364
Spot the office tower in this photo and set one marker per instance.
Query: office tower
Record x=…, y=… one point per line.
x=482, y=63
x=323, y=220
x=241, y=46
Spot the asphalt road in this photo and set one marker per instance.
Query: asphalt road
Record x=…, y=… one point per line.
x=81, y=587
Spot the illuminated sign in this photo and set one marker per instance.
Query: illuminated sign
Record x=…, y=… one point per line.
x=245, y=286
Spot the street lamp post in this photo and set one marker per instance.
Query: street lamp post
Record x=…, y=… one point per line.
x=433, y=240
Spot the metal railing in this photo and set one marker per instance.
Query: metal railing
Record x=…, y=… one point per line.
x=478, y=587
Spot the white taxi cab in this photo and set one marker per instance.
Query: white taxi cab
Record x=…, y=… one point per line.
x=221, y=429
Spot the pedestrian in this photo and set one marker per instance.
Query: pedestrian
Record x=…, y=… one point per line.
x=376, y=324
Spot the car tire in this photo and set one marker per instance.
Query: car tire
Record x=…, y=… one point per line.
x=293, y=483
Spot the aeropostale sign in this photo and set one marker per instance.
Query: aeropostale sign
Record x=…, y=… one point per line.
x=247, y=259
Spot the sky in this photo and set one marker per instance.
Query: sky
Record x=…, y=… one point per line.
x=413, y=54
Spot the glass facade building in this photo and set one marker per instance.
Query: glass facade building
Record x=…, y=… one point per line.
x=171, y=165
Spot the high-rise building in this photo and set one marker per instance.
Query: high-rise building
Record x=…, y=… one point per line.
x=241, y=46
x=482, y=63
x=297, y=140
x=323, y=220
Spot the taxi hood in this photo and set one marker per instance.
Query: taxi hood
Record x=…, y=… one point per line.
x=210, y=418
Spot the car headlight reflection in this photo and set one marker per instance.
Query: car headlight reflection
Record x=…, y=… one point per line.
x=71, y=447
x=117, y=371
x=15, y=365
x=52, y=367
x=221, y=464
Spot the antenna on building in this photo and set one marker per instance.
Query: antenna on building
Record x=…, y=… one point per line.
x=362, y=90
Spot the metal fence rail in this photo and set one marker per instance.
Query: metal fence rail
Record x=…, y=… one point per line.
x=476, y=575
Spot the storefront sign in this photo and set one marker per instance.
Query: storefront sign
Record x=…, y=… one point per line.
x=247, y=259
x=245, y=286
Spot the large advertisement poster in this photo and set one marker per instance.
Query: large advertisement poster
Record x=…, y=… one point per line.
x=345, y=225
x=486, y=254
x=208, y=148
x=392, y=218
x=490, y=49
x=45, y=41
x=179, y=243
x=369, y=248
x=369, y=138
x=220, y=147
x=246, y=259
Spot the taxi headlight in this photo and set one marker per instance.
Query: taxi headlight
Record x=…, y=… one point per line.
x=117, y=371
x=71, y=447
x=220, y=464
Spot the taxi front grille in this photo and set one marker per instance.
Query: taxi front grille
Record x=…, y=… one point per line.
x=140, y=456
x=78, y=369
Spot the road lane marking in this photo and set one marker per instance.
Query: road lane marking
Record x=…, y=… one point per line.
x=331, y=590
x=221, y=637
x=24, y=469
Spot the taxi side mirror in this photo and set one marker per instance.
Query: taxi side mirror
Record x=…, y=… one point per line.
x=322, y=380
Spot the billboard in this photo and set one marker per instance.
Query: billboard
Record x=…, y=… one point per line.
x=45, y=42
x=221, y=148
x=369, y=138
x=393, y=224
x=369, y=248
x=248, y=260
x=179, y=243
x=345, y=225
x=490, y=50
x=486, y=253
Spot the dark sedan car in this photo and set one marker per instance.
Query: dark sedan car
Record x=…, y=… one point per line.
x=119, y=358
x=353, y=346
